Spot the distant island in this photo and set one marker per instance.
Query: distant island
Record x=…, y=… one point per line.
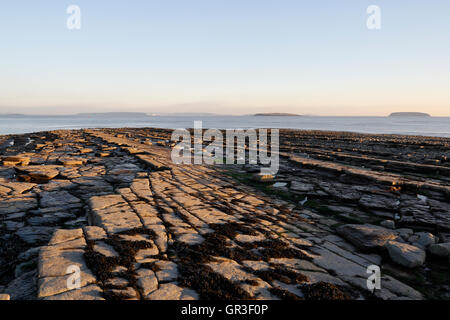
x=409, y=114
x=277, y=114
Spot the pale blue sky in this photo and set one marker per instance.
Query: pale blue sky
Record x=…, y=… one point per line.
x=227, y=56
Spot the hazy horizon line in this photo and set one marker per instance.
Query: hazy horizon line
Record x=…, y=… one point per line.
x=201, y=114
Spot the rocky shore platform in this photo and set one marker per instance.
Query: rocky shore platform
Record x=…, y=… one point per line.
x=109, y=208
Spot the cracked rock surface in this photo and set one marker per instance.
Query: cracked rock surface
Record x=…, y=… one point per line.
x=110, y=206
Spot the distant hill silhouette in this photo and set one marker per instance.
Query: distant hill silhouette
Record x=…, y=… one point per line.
x=409, y=114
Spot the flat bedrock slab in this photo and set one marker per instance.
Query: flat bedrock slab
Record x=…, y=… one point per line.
x=33, y=235
x=113, y=213
x=168, y=271
x=94, y=233
x=55, y=262
x=378, y=202
x=301, y=187
x=13, y=204
x=90, y=292
x=16, y=187
x=51, y=286
x=57, y=198
x=147, y=281
x=62, y=235
x=170, y=291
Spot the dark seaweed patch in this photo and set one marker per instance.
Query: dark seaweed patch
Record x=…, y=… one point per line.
x=323, y=291
x=250, y=219
x=231, y=230
x=283, y=294
x=140, y=230
x=151, y=266
x=281, y=274
x=9, y=250
x=127, y=249
x=100, y=265
x=209, y=284
x=215, y=245
x=251, y=282
x=274, y=248
x=268, y=253
x=115, y=295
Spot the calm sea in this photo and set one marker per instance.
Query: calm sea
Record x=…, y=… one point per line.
x=433, y=126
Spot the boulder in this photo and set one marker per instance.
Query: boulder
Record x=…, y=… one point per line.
x=424, y=239
x=390, y=224
x=404, y=233
x=405, y=254
x=440, y=249
x=366, y=237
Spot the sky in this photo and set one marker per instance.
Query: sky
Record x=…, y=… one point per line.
x=225, y=56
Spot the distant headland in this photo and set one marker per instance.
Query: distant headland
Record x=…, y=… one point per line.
x=88, y=115
x=409, y=114
x=277, y=114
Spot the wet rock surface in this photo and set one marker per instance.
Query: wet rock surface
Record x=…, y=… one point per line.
x=111, y=205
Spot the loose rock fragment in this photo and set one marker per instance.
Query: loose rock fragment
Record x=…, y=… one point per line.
x=366, y=237
x=405, y=254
